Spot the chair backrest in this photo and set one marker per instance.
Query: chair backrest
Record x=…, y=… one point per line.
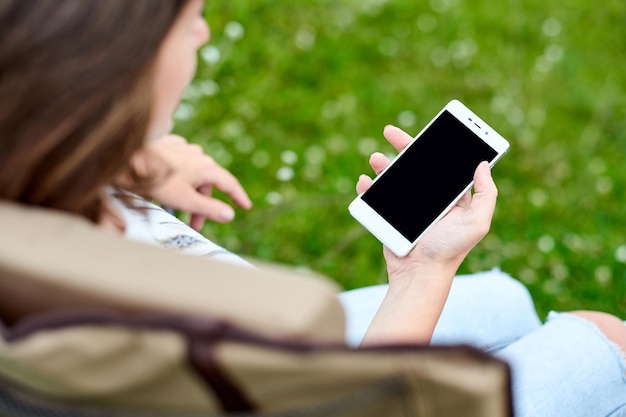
x=52, y=261
x=15, y=401
x=97, y=326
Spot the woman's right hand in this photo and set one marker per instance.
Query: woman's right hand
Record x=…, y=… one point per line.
x=450, y=239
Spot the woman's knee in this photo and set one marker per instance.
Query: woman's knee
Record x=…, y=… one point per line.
x=508, y=292
x=488, y=283
x=612, y=327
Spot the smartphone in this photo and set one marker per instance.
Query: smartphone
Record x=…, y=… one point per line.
x=427, y=178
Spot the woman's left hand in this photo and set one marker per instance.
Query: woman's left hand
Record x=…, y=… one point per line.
x=188, y=179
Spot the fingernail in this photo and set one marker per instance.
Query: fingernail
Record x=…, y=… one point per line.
x=228, y=214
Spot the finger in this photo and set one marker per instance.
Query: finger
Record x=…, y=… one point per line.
x=171, y=138
x=194, y=202
x=483, y=182
x=485, y=190
x=465, y=200
x=397, y=137
x=194, y=147
x=201, y=205
x=363, y=183
x=227, y=183
x=207, y=190
x=378, y=162
x=196, y=222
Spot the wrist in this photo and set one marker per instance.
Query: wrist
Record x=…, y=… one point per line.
x=412, y=305
x=422, y=268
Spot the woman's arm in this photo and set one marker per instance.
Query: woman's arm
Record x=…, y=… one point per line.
x=419, y=283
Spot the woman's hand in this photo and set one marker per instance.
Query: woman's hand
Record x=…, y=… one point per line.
x=185, y=178
x=419, y=283
x=451, y=238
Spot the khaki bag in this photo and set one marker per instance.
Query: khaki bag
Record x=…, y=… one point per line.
x=94, y=325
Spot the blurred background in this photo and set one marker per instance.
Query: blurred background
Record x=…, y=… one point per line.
x=292, y=97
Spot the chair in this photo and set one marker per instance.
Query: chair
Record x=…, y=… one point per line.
x=93, y=325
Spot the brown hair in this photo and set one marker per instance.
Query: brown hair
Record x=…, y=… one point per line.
x=76, y=96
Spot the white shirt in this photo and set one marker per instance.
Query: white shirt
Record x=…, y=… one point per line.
x=155, y=226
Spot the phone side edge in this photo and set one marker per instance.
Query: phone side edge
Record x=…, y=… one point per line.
x=379, y=227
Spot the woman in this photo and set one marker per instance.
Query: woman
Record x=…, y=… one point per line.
x=88, y=86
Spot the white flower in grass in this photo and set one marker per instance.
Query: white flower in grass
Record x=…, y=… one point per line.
x=407, y=119
x=528, y=275
x=546, y=243
x=553, y=52
x=315, y=155
x=620, y=254
x=597, y=166
x=439, y=56
x=367, y=146
x=305, y=39
x=285, y=174
x=184, y=112
x=210, y=54
x=603, y=274
x=289, y=157
x=604, y=185
x=260, y=159
x=344, y=184
x=551, y=27
x=538, y=197
x=559, y=271
x=234, y=30
x=274, y=198
x=245, y=144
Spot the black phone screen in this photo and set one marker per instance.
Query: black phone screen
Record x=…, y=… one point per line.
x=428, y=176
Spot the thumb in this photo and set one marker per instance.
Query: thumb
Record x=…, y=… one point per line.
x=485, y=190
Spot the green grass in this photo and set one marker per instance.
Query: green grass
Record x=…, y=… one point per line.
x=292, y=98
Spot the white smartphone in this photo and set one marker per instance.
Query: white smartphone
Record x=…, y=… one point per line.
x=427, y=178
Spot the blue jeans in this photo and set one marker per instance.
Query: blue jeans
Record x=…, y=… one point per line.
x=561, y=368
